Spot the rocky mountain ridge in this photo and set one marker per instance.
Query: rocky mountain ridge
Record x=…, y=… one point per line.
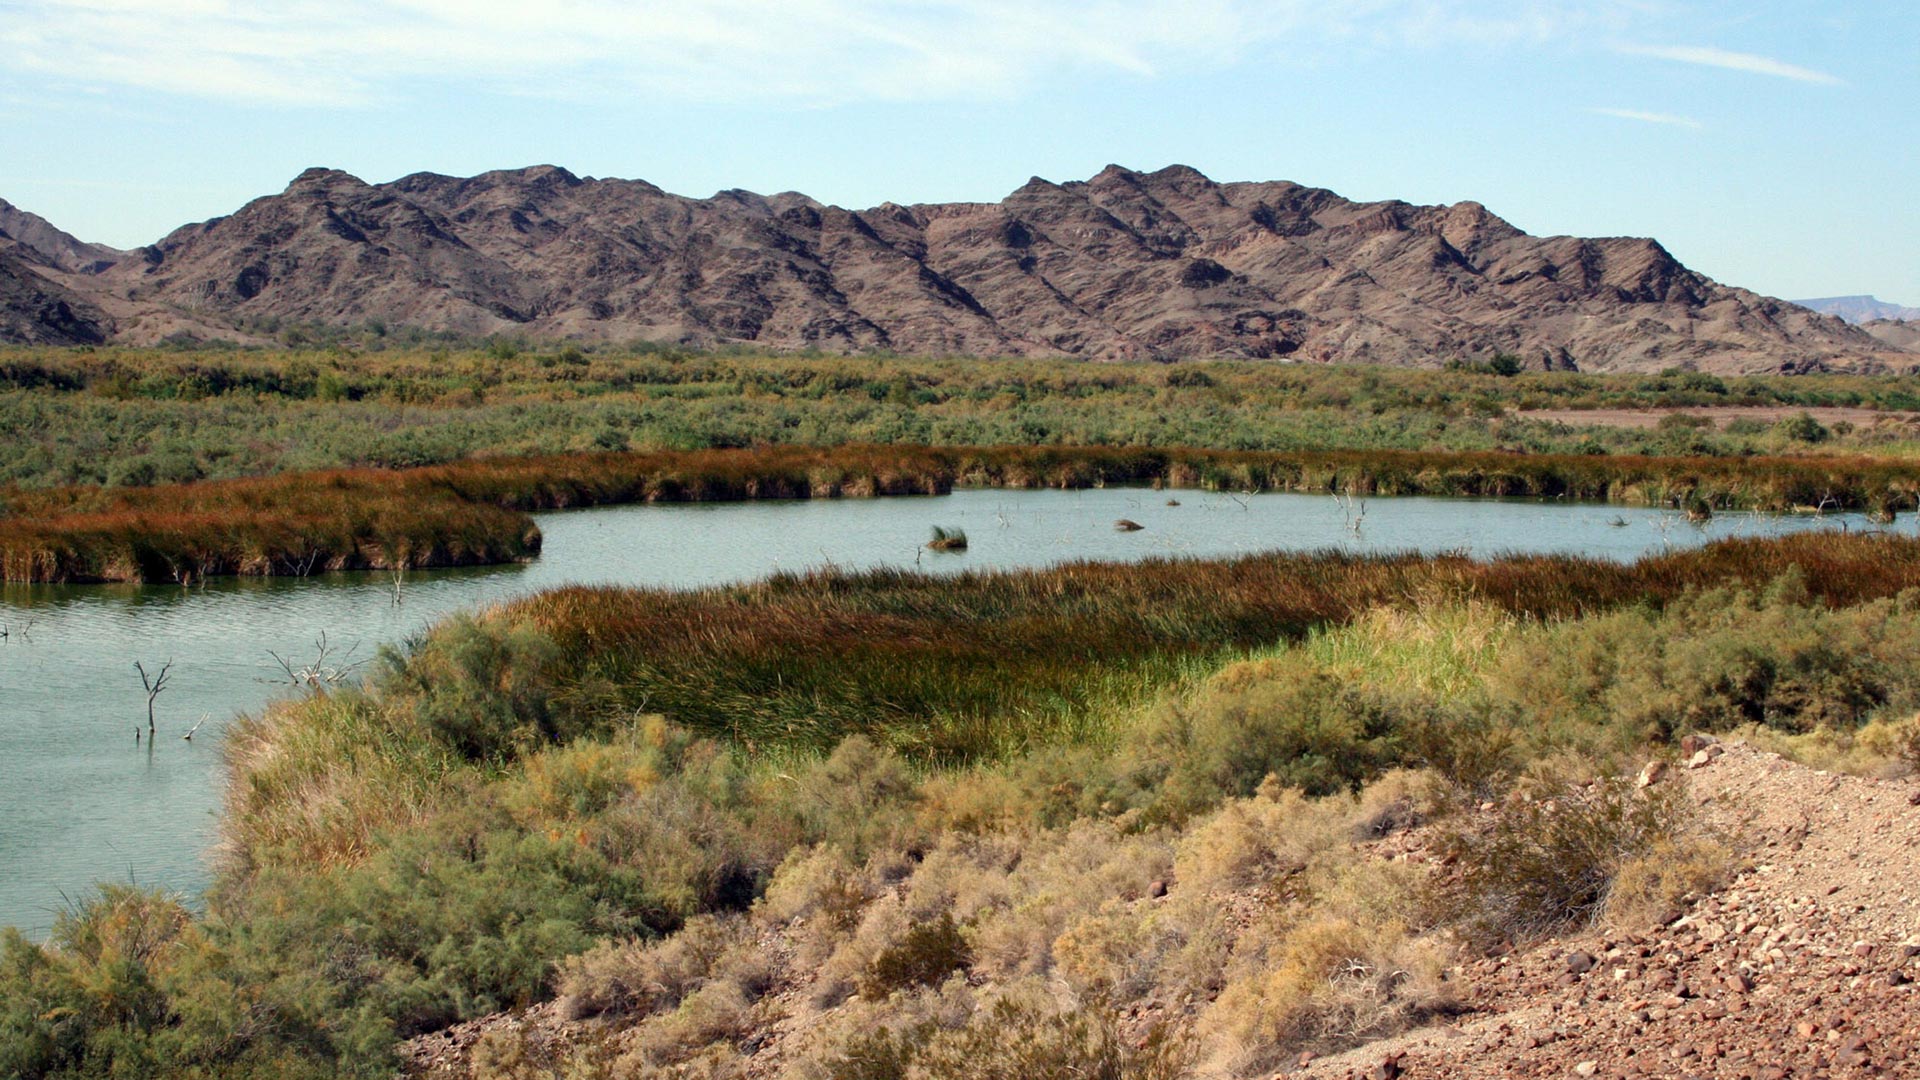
x=1127, y=265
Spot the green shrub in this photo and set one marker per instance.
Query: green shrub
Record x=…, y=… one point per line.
x=1802, y=427
x=1306, y=727
x=924, y=956
x=483, y=689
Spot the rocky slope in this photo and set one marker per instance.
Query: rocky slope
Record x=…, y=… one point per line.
x=1162, y=265
x=1805, y=965
x=35, y=309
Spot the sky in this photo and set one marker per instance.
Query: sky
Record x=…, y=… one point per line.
x=1773, y=145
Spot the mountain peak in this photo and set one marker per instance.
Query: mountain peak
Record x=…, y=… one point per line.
x=319, y=177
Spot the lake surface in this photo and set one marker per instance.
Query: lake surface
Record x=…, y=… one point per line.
x=80, y=802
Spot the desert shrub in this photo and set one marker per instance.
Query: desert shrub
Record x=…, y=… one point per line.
x=1906, y=743
x=924, y=956
x=645, y=977
x=1717, y=660
x=1275, y=836
x=1024, y=1038
x=1125, y=951
x=877, y=1039
x=883, y=1053
x=1308, y=728
x=1334, y=962
x=1652, y=888
x=128, y=985
x=1684, y=421
x=860, y=798
x=1020, y=907
x=1332, y=982
x=718, y=1012
x=821, y=887
x=1401, y=799
x=1540, y=866
x=883, y=924
x=484, y=689
x=1882, y=748
x=1802, y=427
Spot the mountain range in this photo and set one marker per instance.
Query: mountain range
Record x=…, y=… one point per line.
x=1860, y=309
x=1161, y=265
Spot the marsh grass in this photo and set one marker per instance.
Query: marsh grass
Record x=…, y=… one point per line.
x=946, y=538
x=474, y=511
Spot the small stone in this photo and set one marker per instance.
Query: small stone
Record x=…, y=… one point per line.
x=1388, y=1069
x=1897, y=978
x=1579, y=962
x=1586, y=1068
x=1700, y=760
x=1651, y=774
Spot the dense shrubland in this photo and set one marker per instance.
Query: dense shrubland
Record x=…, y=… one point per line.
x=939, y=813
x=139, y=417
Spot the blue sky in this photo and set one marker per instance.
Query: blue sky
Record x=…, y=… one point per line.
x=1773, y=145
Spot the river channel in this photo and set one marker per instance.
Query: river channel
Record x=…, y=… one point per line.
x=82, y=802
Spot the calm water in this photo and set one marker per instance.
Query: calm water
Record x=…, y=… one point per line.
x=80, y=802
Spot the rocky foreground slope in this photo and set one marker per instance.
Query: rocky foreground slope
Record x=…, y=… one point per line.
x=1803, y=964
x=1161, y=265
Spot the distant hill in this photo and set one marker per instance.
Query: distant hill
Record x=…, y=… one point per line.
x=1899, y=333
x=1859, y=310
x=1161, y=265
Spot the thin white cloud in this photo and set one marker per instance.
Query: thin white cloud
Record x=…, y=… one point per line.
x=805, y=52
x=1649, y=117
x=1708, y=56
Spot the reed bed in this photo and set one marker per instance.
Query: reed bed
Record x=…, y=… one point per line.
x=990, y=664
x=474, y=512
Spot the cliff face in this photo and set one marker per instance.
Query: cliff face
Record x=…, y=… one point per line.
x=1165, y=265
x=35, y=310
